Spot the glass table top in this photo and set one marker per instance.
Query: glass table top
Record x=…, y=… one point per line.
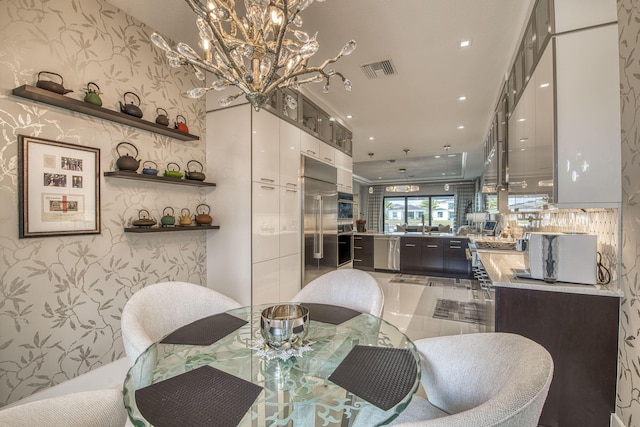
x=296, y=392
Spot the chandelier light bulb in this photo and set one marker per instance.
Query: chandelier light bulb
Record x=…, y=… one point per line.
x=256, y=50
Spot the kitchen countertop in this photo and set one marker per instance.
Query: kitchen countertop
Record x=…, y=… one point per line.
x=500, y=266
x=406, y=234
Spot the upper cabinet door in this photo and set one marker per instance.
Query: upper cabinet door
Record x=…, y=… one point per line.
x=588, y=117
x=327, y=153
x=265, y=143
x=309, y=145
x=289, y=155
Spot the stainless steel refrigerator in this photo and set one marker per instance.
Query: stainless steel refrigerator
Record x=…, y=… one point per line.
x=320, y=219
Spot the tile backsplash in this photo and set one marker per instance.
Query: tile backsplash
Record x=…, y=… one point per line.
x=604, y=223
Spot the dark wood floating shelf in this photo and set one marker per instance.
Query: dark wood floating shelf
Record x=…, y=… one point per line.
x=157, y=229
x=156, y=178
x=46, y=96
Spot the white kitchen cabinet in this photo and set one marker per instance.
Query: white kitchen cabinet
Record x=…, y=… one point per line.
x=290, y=273
x=266, y=282
x=265, y=222
x=588, y=118
x=289, y=155
x=289, y=221
x=591, y=13
x=309, y=145
x=327, y=153
x=265, y=147
x=261, y=218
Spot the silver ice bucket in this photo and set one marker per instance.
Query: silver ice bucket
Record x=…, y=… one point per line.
x=284, y=325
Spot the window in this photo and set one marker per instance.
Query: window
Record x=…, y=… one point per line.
x=417, y=209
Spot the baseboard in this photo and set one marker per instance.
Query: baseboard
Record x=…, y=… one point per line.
x=616, y=421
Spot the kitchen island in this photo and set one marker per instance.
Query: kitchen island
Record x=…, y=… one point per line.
x=430, y=253
x=576, y=323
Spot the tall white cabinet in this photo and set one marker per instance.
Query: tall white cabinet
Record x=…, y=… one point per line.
x=254, y=158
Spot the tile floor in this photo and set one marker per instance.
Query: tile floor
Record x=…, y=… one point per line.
x=410, y=307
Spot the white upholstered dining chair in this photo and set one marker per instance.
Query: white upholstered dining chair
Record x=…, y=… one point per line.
x=97, y=408
x=158, y=309
x=480, y=380
x=346, y=287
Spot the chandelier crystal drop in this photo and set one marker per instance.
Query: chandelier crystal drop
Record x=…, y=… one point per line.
x=258, y=53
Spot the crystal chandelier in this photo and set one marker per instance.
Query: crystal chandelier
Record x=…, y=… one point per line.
x=258, y=53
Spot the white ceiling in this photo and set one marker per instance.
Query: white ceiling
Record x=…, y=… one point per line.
x=418, y=108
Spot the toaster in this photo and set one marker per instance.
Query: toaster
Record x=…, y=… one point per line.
x=572, y=257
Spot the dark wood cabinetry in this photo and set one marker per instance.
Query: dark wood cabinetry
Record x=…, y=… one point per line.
x=455, y=256
x=438, y=256
x=411, y=255
x=432, y=255
x=581, y=333
x=363, y=252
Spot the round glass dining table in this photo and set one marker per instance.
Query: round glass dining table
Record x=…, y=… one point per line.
x=295, y=392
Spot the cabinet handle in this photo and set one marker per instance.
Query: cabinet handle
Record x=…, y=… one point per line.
x=357, y=260
x=357, y=238
x=328, y=159
x=267, y=180
x=289, y=190
x=267, y=187
x=410, y=245
x=295, y=185
x=454, y=241
x=432, y=246
x=357, y=247
x=455, y=247
x=311, y=151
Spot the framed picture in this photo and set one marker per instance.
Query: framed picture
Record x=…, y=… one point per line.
x=59, y=188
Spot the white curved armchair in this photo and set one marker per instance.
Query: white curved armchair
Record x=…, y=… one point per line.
x=99, y=408
x=158, y=309
x=480, y=380
x=349, y=288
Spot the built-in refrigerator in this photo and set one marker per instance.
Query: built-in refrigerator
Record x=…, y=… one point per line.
x=320, y=219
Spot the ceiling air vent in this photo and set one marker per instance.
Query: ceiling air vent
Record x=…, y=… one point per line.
x=379, y=69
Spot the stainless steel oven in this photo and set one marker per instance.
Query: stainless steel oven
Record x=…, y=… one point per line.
x=345, y=245
x=345, y=207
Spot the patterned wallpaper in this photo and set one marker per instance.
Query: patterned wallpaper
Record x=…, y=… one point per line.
x=628, y=401
x=61, y=297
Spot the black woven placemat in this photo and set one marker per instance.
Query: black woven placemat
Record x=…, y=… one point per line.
x=203, y=397
x=205, y=331
x=333, y=314
x=382, y=376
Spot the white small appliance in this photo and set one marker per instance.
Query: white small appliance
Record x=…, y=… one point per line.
x=562, y=257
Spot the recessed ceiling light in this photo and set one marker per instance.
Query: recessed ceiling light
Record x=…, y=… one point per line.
x=371, y=138
x=331, y=119
x=379, y=177
x=451, y=155
x=461, y=127
x=543, y=85
x=465, y=43
x=437, y=157
x=524, y=139
x=522, y=149
x=443, y=173
x=349, y=116
x=522, y=120
x=462, y=98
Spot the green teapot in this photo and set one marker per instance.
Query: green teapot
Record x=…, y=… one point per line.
x=171, y=173
x=93, y=95
x=167, y=219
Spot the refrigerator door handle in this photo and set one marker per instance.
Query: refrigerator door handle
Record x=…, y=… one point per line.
x=321, y=234
x=317, y=232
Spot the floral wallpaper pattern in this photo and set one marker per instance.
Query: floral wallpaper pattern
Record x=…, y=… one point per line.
x=61, y=297
x=628, y=396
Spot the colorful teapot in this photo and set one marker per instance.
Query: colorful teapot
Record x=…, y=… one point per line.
x=93, y=95
x=168, y=219
x=185, y=218
x=181, y=125
x=202, y=216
